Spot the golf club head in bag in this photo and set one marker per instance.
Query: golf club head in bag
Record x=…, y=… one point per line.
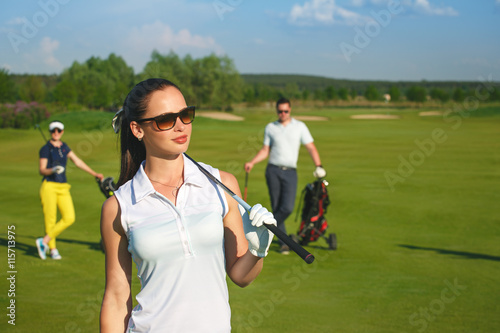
x=107, y=186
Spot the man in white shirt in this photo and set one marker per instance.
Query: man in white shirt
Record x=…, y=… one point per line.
x=282, y=140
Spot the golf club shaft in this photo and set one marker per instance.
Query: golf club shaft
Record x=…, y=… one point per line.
x=38, y=126
x=303, y=253
x=246, y=186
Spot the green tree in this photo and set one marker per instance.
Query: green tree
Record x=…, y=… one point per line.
x=319, y=95
x=292, y=90
x=371, y=93
x=6, y=87
x=305, y=94
x=66, y=93
x=494, y=95
x=330, y=93
x=33, y=89
x=96, y=83
x=353, y=93
x=216, y=82
x=343, y=94
x=395, y=93
x=439, y=94
x=458, y=95
x=416, y=94
x=172, y=68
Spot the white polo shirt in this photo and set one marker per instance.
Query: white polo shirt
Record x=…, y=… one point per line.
x=285, y=142
x=179, y=253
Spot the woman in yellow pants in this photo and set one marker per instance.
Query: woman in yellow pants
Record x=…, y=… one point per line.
x=54, y=192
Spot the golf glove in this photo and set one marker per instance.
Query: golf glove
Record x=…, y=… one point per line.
x=319, y=172
x=58, y=169
x=258, y=236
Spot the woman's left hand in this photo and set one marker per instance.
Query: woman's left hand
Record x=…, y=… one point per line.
x=258, y=235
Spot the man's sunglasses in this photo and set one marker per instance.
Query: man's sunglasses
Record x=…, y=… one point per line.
x=283, y=111
x=56, y=130
x=166, y=121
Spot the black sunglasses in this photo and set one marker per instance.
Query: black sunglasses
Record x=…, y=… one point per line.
x=283, y=111
x=166, y=121
x=56, y=130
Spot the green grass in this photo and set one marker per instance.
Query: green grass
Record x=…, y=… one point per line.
x=398, y=249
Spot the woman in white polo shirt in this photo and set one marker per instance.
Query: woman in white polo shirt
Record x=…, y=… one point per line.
x=181, y=230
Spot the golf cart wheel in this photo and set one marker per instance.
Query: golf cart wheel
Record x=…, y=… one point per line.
x=332, y=241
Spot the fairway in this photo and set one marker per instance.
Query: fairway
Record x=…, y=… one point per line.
x=414, y=206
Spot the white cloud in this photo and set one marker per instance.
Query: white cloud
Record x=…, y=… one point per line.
x=259, y=41
x=162, y=38
x=413, y=6
x=423, y=6
x=43, y=57
x=16, y=21
x=140, y=41
x=47, y=49
x=323, y=12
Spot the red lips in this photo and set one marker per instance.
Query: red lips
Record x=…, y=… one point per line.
x=181, y=139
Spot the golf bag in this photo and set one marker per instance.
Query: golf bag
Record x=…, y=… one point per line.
x=314, y=201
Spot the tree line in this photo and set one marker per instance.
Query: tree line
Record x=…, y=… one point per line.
x=208, y=82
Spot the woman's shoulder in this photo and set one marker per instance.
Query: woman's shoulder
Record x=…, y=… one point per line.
x=110, y=206
x=227, y=178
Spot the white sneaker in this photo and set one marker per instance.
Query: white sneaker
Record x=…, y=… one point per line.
x=42, y=248
x=55, y=254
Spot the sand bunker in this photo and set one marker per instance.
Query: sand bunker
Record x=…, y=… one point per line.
x=430, y=113
x=374, y=116
x=310, y=118
x=220, y=116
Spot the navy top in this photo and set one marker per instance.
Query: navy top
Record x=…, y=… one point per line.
x=55, y=156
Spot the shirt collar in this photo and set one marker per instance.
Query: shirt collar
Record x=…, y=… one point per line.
x=292, y=120
x=142, y=187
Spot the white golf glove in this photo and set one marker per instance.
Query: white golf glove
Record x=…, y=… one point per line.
x=319, y=172
x=258, y=236
x=58, y=169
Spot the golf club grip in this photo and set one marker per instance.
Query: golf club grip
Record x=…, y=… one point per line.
x=297, y=248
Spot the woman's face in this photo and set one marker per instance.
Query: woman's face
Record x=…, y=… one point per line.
x=56, y=134
x=173, y=141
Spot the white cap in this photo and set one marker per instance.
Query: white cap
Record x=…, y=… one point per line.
x=56, y=124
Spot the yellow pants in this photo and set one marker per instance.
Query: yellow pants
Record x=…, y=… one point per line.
x=56, y=196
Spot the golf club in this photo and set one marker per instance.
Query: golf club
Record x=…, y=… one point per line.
x=303, y=253
x=38, y=126
x=246, y=186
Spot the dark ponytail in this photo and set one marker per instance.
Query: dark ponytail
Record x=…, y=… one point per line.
x=133, y=151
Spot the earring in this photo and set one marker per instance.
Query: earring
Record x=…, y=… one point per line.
x=140, y=139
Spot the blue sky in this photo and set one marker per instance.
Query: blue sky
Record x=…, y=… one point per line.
x=345, y=39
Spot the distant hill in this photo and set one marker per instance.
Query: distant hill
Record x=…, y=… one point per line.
x=312, y=83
